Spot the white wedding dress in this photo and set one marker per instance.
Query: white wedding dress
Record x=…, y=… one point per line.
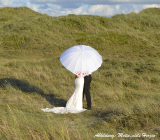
x=74, y=104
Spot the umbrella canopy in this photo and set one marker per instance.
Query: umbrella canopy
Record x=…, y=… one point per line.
x=81, y=60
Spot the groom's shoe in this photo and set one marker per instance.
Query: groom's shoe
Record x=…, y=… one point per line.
x=88, y=108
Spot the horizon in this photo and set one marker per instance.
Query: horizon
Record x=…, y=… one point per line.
x=105, y=8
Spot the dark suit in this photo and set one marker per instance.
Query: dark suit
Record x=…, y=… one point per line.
x=87, y=81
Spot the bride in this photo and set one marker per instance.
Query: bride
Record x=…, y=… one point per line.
x=74, y=104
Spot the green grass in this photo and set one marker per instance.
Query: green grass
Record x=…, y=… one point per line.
x=125, y=90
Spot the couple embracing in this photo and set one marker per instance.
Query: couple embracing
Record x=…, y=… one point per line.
x=86, y=87
x=75, y=102
x=81, y=60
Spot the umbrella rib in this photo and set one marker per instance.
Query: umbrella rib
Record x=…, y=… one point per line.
x=88, y=66
x=76, y=63
x=68, y=58
x=92, y=62
x=81, y=64
x=97, y=56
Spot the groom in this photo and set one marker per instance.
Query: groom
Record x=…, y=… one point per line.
x=87, y=81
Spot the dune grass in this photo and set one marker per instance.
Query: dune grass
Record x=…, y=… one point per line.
x=125, y=90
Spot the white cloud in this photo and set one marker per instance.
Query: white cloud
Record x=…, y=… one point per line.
x=48, y=1
x=6, y=2
x=137, y=8
x=104, y=10
x=80, y=7
x=151, y=6
x=66, y=12
x=95, y=9
x=17, y=1
x=117, y=7
x=55, y=7
x=78, y=11
x=95, y=2
x=90, y=7
x=100, y=10
x=52, y=10
x=33, y=7
x=55, y=10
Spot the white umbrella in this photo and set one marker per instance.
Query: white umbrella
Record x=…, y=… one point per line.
x=81, y=60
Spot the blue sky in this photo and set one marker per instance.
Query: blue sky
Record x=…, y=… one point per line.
x=80, y=7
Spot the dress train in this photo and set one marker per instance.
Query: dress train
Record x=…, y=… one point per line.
x=74, y=104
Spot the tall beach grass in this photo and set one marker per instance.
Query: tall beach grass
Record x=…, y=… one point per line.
x=125, y=90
